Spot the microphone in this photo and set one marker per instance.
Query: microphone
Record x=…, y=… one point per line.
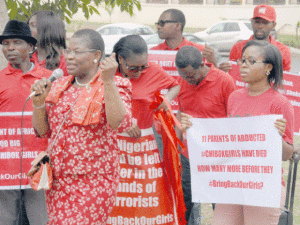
x=58, y=73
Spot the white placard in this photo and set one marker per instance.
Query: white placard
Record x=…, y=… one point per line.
x=236, y=161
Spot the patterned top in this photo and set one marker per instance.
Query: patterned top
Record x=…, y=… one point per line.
x=90, y=149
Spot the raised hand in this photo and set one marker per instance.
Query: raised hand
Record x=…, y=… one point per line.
x=42, y=88
x=108, y=68
x=209, y=54
x=185, y=121
x=225, y=66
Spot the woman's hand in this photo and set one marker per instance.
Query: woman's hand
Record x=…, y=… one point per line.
x=280, y=124
x=42, y=88
x=134, y=131
x=108, y=68
x=185, y=121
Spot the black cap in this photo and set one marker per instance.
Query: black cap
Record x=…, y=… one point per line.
x=17, y=29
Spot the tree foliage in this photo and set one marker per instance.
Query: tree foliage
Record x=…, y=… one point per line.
x=22, y=9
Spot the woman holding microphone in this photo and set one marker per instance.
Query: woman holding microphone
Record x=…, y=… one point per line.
x=85, y=111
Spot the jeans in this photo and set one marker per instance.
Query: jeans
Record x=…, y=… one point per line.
x=193, y=210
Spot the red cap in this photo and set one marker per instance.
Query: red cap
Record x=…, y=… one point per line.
x=266, y=12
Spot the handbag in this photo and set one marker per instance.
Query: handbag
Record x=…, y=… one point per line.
x=40, y=174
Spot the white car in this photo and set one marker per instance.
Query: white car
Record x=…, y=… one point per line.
x=224, y=34
x=112, y=33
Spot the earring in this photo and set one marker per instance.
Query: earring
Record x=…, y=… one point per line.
x=95, y=61
x=268, y=73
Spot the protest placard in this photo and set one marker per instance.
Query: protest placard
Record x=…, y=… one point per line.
x=144, y=196
x=236, y=161
x=166, y=59
x=11, y=149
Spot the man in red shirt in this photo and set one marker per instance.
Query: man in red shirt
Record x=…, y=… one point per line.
x=263, y=21
x=170, y=27
x=15, y=83
x=204, y=93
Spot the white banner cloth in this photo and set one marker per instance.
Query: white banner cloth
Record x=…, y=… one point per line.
x=236, y=161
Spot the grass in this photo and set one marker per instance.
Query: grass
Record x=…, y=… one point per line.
x=207, y=212
x=290, y=40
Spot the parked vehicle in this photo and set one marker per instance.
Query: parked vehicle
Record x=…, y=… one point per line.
x=224, y=34
x=112, y=33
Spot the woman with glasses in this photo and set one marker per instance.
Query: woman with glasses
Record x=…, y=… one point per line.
x=50, y=32
x=147, y=78
x=89, y=107
x=261, y=69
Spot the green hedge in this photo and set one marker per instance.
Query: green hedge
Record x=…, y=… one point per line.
x=290, y=40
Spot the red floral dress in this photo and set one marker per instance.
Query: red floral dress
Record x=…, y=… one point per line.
x=85, y=163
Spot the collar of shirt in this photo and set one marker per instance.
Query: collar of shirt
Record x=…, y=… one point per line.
x=271, y=39
x=183, y=43
x=34, y=59
x=12, y=71
x=208, y=78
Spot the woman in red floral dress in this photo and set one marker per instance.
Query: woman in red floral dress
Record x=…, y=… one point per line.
x=85, y=159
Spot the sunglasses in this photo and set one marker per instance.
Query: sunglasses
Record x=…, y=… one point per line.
x=135, y=69
x=162, y=23
x=248, y=62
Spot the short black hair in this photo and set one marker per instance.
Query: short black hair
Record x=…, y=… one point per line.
x=188, y=55
x=130, y=44
x=177, y=15
x=95, y=40
x=272, y=56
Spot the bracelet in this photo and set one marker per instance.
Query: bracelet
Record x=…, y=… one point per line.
x=38, y=107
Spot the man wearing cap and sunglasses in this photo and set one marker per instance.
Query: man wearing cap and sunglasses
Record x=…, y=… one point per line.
x=15, y=83
x=263, y=22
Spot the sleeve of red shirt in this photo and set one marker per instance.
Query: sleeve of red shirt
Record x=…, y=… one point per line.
x=288, y=114
x=286, y=59
x=165, y=80
x=235, y=52
x=228, y=87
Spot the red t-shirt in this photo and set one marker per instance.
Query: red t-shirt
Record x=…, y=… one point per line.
x=151, y=80
x=240, y=103
x=236, y=51
x=15, y=87
x=209, y=98
x=62, y=64
x=185, y=42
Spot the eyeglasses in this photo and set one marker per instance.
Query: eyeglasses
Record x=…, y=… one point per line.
x=248, y=62
x=162, y=23
x=135, y=69
x=77, y=52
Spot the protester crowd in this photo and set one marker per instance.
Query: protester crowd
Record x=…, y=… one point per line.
x=97, y=125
